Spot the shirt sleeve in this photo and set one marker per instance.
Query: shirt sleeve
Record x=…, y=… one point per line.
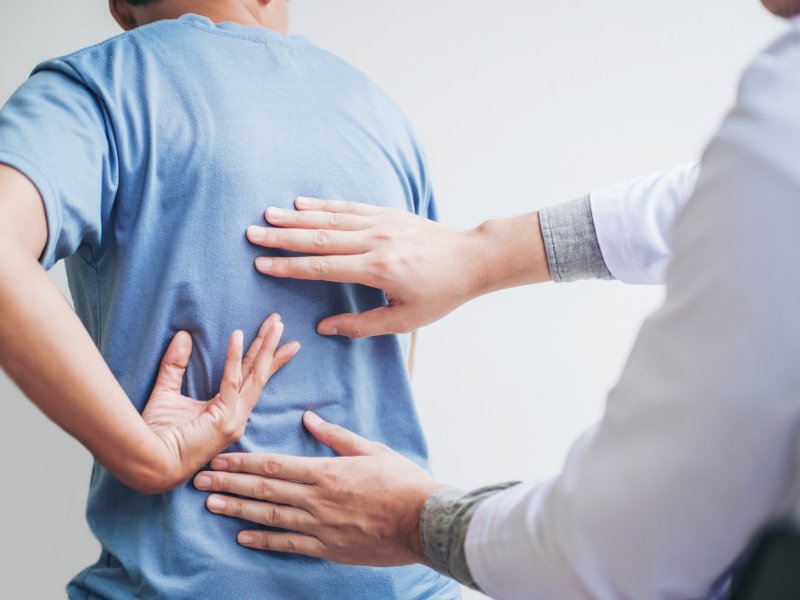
x=570, y=242
x=697, y=450
x=444, y=523
x=54, y=131
x=633, y=221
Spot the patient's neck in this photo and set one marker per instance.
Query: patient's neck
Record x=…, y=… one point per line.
x=234, y=11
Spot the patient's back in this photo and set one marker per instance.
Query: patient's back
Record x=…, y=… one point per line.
x=153, y=152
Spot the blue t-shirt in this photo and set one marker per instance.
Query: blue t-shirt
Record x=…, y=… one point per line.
x=153, y=152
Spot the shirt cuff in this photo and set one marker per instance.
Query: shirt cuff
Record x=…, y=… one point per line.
x=570, y=241
x=443, y=525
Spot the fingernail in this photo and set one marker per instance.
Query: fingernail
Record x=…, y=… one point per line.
x=245, y=538
x=219, y=464
x=263, y=263
x=202, y=482
x=215, y=503
x=326, y=329
x=313, y=418
x=275, y=214
x=254, y=232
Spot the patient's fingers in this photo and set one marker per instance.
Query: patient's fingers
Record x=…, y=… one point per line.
x=337, y=206
x=282, y=356
x=232, y=375
x=257, y=488
x=313, y=219
x=174, y=363
x=252, y=352
x=341, y=269
x=275, y=466
x=254, y=385
x=317, y=241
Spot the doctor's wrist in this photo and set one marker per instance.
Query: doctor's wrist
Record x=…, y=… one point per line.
x=510, y=252
x=443, y=525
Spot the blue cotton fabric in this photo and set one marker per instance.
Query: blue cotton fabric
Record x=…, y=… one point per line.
x=153, y=152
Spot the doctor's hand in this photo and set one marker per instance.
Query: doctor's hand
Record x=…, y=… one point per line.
x=362, y=508
x=425, y=269
x=191, y=432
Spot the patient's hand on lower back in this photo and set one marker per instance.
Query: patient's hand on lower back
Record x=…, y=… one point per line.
x=57, y=365
x=188, y=427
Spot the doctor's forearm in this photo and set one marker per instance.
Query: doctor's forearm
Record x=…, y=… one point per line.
x=558, y=243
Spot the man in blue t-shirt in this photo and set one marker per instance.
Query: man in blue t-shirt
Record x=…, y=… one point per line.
x=142, y=161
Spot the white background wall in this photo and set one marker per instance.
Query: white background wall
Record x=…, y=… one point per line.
x=520, y=104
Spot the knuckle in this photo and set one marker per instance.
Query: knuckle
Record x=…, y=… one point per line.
x=291, y=546
x=263, y=489
x=230, y=429
x=224, y=484
x=321, y=238
x=334, y=431
x=338, y=219
x=236, y=509
x=262, y=541
x=274, y=516
x=357, y=331
x=319, y=266
x=329, y=471
x=339, y=545
x=350, y=207
x=382, y=263
x=275, y=236
x=272, y=467
x=383, y=234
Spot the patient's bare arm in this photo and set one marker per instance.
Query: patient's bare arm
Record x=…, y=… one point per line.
x=46, y=350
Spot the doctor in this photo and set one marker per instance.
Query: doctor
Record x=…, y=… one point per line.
x=699, y=445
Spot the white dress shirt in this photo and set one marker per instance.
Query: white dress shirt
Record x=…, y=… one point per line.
x=633, y=221
x=700, y=442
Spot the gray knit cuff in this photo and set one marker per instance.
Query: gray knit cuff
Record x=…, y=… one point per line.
x=445, y=519
x=570, y=241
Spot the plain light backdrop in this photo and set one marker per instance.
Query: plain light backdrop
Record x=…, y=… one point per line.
x=519, y=104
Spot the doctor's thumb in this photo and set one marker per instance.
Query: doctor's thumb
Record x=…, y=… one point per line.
x=338, y=439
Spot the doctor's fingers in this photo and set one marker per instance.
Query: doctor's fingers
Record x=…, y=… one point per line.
x=338, y=206
x=340, y=269
x=257, y=487
x=312, y=241
x=302, y=469
x=263, y=513
x=289, y=543
x=316, y=219
x=378, y=321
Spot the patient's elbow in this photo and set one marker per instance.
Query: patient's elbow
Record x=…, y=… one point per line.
x=150, y=481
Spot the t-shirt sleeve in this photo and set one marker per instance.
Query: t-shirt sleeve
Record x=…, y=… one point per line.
x=54, y=130
x=425, y=204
